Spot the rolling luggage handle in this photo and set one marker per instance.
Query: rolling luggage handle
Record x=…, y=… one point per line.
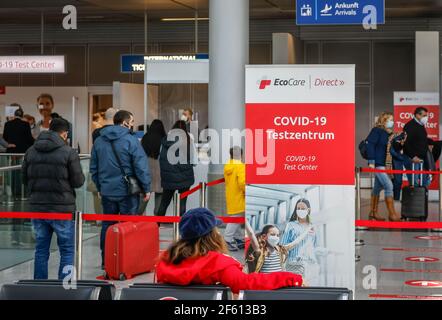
x=421, y=174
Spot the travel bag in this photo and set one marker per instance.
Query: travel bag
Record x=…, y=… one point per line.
x=131, y=248
x=415, y=200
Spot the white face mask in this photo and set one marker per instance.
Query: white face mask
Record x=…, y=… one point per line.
x=389, y=124
x=424, y=120
x=183, y=117
x=273, y=240
x=302, y=213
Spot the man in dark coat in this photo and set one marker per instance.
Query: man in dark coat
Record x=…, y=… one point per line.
x=17, y=132
x=52, y=171
x=417, y=145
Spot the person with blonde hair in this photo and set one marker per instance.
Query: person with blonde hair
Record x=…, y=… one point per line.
x=379, y=157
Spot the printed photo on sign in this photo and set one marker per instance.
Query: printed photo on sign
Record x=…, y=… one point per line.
x=304, y=229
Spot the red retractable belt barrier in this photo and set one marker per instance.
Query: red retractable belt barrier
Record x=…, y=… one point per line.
x=36, y=215
x=215, y=182
x=189, y=192
x=398, y=225
x=105, y=217
x=370, y=170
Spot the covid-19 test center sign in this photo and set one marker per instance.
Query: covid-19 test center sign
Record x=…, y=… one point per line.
x=304, y=115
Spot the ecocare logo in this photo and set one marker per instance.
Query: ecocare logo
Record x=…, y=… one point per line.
x=264, y=82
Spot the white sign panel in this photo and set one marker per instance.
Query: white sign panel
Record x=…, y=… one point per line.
x=32, y=64
x=306, y=83
x=184, y=71
x=416, y=98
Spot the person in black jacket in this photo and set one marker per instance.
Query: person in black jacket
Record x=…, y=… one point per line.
x=417, y=144
x=176, y=165
x=18, y=132
x=52, y=171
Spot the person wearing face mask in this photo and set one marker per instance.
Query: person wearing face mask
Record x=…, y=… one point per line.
x=187, y=117
x=302, y=258
x=200, y=257
x=265, y=253
x=51, y=170
x=45, y=105
x=117, y=158
x=377, y=151
x=417, y=144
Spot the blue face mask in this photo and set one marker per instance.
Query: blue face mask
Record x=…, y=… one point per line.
x=389, y=124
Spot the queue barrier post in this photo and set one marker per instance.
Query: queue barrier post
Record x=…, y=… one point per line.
x=78, y=220
x=358, y=242
x=176, y=213
x=203, y=199
x=358, y=198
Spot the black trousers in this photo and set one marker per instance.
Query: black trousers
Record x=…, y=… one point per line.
x=167, y=198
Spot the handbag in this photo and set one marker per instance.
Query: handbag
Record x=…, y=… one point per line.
x=133, y=186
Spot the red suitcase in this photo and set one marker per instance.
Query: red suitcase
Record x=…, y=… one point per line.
x=131, y=248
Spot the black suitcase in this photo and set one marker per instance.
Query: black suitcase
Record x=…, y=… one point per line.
x=415, y=200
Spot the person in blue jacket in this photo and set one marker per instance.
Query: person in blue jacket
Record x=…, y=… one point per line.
x=108, y=176
x=396, y=151
x=377, y=143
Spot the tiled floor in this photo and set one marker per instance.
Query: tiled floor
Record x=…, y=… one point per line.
x=386, y=251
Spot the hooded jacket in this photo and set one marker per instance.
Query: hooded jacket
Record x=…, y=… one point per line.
x=51, y=169
x=216, y=268
x=235, y=181
x=104, y=168
x=178, y=175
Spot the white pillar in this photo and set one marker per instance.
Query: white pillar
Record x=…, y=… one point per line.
x=228, y=54
x=427, y=61
x=283, y=48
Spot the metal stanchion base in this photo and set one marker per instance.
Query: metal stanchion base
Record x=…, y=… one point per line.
x=357, y=258
x=359, y=242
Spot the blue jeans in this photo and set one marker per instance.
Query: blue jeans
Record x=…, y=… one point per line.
x=408, y=164
x=66, y=245
x=382, y=181
x=116, y=205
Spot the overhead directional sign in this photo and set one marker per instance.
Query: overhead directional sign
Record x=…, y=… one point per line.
x=135, y=62
x=424, y=283
x=422, y=259
x=310, y=12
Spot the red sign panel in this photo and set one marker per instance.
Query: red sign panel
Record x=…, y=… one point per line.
x=2, y=90
x=313, y=143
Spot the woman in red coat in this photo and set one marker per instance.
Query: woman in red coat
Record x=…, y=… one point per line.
x=199, y=257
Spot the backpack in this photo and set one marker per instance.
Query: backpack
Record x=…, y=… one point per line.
x=363, y=149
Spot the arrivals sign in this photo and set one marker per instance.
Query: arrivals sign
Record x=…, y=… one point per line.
x=310, y=12
x=32, y=64
x=307, y=113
